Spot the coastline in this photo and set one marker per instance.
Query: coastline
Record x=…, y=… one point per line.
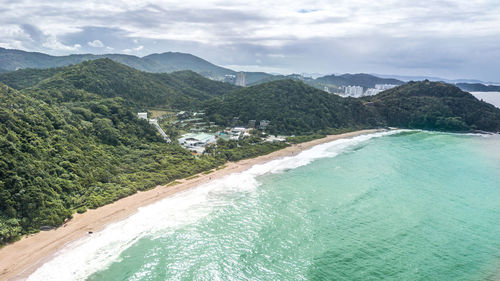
x=19, y=259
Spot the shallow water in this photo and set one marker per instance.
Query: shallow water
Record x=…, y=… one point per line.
x=406, y=206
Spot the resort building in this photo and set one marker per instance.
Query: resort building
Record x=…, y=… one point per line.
x=196, y=141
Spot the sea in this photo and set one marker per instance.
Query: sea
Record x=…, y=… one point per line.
x=490, y=97
x=398, y=205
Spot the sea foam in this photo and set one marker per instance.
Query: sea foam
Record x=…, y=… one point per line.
x=81, y=258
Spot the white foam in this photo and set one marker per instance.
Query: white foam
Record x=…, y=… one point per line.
x=81, y=258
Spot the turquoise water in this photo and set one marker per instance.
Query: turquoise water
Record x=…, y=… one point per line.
x=408, y=206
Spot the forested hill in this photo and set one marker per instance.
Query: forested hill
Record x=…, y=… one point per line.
x=434, y=106
x=24, y=78
x=292, y=107
x=296, y=108
x=107, y=78
x=363, y=80
x=58, y=157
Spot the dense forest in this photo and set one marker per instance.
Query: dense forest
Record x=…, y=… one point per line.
x=434, y=106
x=58, y=158
x=107, y=78
x=296, y=108
x=292, y=107
x=70, y=138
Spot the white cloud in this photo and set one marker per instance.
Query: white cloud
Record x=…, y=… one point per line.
x=357, y=29
x=133, y=49
x=215, y=21
x=53, y=44
x=96, y=44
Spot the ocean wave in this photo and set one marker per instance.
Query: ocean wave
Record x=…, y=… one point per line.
x=81, y=258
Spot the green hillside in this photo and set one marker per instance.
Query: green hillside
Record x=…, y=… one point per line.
x=296, y=108
x=58, y=157
x=28, y=77
x=292, y=107
x=107, y=78
x=435, y=106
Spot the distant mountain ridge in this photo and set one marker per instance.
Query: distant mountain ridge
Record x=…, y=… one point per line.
x=360, y=79
x=11, y=60
x=478, y=87
x=167, y=62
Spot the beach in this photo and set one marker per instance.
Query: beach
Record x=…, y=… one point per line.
x=18, y=260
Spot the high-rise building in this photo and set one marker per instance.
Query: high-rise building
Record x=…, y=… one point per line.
x=354, y=91
x=241, y=79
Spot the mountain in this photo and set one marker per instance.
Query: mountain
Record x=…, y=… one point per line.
x=24, y=78
x=278, y=77
x=434, y=106
x=363, y=80
x=173, y=61
x=296, y=108
x=407, y=78
x=11, y=60
x=107, y=78
x=477, y=87
x=292, y=107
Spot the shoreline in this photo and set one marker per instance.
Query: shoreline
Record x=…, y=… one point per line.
x=21, y=258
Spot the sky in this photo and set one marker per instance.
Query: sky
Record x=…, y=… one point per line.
x=449, y=39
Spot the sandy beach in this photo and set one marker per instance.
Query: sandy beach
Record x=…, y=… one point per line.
x=18, y=260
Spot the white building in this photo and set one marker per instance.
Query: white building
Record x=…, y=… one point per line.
x=372, y=92
x=383, y=87
x=196, y=142
x=142, y=115
x=353, y=91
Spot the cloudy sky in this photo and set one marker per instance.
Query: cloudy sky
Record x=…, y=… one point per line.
x=450, y=39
